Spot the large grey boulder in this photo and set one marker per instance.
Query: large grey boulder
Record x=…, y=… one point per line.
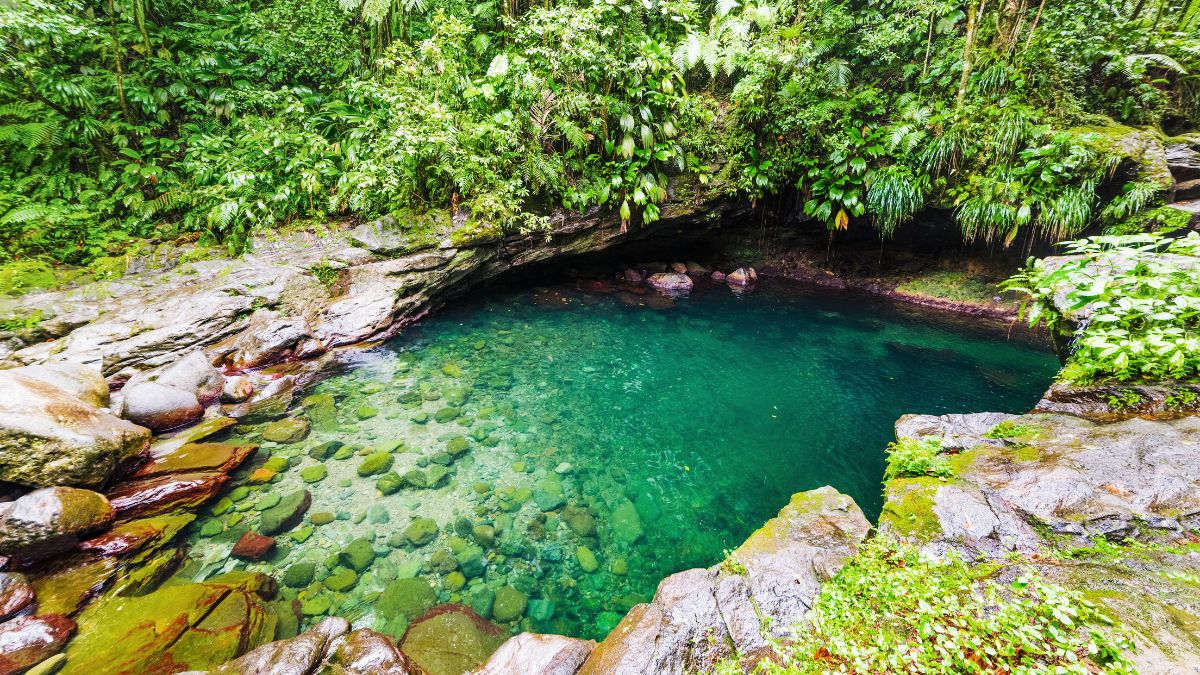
x=269, y=338
x=83, y=382
x=159, y=407
x=1052, y=473
x=193, y=373
x=50, y=520
x=50, y=436
x=701, y=617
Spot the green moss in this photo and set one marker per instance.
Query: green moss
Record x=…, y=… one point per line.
x=950, y=285
x=908, y=508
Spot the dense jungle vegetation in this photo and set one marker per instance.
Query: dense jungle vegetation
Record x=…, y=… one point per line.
x=122, y=120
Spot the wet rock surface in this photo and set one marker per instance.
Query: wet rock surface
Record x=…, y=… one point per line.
x=51, y=436
x=50, y=520
x=28, y=640
x=535, y=654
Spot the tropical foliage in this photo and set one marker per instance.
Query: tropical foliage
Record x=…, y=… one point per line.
x=892, y=610
x=122, y=120
x=1136, y=298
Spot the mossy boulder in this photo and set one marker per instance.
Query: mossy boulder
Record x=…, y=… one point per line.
x=299, y=575
x=286, y=514
x=325, y=450
x=376, y=463
x=289, y=430
x=389, y=483
x=313, y=474
x=587, y=560
x=421, y=531
x=458, y=446
x=358, y=554
x=341, y=579
x=448, y=414
x=510, y=605
x=407, y=598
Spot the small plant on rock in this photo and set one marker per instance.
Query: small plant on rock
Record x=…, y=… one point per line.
x=1181, y=399
x=911, y=458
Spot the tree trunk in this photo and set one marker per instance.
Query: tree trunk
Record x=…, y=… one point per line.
x=973, y=15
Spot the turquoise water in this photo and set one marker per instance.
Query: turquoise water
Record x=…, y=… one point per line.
x=654, y=437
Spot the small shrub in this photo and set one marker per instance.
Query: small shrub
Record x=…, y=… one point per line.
x=1145, y=306
x=909, y=457
x=732, y=565
x=1009, y=430
x=1181, y=399
x=325, y=273
x=1123, y=399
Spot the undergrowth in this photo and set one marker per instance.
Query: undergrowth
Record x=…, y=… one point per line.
x=890, y=610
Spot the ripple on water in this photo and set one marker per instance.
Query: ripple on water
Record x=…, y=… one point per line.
x=546, y=457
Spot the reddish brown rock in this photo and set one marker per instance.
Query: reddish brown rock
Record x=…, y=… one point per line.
x=632, y=276
x=137, y=535
x=655, y=301
x=742, y=276
x=366, y=652
x=222, y=457
x=29, y=640
x=718, y=276
x=152, y=496
x=595, y=286
x=679, y=268
x=451, y=639
x=15, y=594
x=536, y=654
x=301, y=654
x=253, y=546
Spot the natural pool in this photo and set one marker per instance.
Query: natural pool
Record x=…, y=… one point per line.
x=546, y=456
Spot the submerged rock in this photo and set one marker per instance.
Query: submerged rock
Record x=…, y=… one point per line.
x=51, y=436
x=253, y=546
x=451, y=639
x=407, y=598
x=286, y=514
x=421, y=531
x=510, y=605
x=289, y=430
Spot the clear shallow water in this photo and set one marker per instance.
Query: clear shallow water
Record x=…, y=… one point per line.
x=653, y=438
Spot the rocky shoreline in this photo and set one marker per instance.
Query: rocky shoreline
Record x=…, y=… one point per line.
x=90, y=537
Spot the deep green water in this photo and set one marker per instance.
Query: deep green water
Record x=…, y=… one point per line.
x=677, y=431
